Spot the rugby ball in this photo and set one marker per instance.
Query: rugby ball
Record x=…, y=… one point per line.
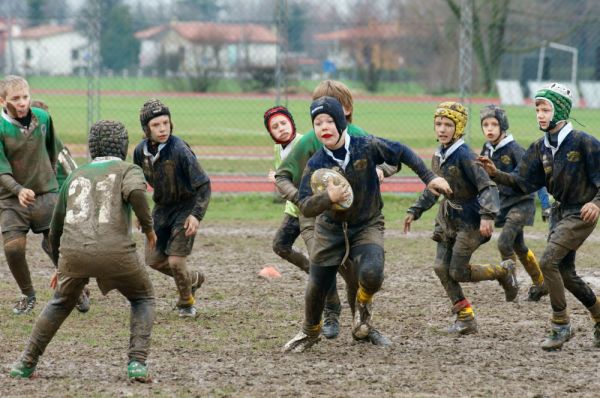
x=320, y=180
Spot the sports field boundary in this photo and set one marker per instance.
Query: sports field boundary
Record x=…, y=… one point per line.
x=246, y=184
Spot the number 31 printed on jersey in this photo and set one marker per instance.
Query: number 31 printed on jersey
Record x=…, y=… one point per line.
x=83, y=201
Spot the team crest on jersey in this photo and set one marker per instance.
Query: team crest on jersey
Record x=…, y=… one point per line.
x=505, y=159
x=573, y=156
x=360, y=164
x=453, y=171
x=43, y=129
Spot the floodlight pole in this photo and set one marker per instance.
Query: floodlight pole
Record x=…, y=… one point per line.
x=281, y=51
x=93, y=74
x=465, y=58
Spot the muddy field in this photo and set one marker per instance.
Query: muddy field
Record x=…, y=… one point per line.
x=233, y=348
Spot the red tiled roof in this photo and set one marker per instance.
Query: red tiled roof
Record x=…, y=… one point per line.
x=214, y=32
x=41, y=31
x=381, y=31
x=150, y=32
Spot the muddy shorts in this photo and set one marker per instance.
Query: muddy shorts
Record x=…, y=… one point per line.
x=333, y=240
x=567, y=229
x=169, y=224
x=132, y=286
x=37, y=217
x=174, y=244
x=111, y=270
x=521, y=213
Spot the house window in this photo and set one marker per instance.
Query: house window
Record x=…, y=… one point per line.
x=28, y=53
x=181, y=52
x=74, y=54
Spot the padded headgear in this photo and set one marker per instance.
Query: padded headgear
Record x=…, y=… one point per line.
x=151, y=109
x=331, y=107
x=279, y=110
x=497, y=113
x=561, y=99
x=108, y=138
x=457, y=113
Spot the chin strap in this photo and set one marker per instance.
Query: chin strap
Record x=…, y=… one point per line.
x=551, y=125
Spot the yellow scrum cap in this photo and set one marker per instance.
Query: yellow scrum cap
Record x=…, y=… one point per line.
x=457, y=113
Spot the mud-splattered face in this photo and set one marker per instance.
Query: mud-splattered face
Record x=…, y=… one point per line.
x=491, y=130
x=17, y=100
x=544, y=112
x=327, y=131
x=444, y=130
x=160, y=129
x=281, y=128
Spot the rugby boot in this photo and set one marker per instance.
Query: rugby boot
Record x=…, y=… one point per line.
x=463, y=327
x=559, y=335
x=597, y=334
x=376, y=338
x=20, y=370
x=301, y=342
x=361, y=324
x=536, y=292
x=508, y=280
x=197, y=281
x=24, y=305
x=187, y=312
x=331, y=321
x=83, y=302
x=465, y=322
x=137, y=371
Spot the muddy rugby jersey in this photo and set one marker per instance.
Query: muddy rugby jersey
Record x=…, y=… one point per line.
x=294, y=164
x=29, y=155
x=175, y=175
x=474, y=194
x=92, y=214
x=364, y=154
x=571, y=172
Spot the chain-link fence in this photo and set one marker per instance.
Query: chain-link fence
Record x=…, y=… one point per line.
x=219, y=64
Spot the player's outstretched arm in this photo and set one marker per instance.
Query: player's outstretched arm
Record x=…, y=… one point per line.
x=286, y=187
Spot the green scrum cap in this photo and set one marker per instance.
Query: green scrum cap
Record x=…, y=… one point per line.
x=561, y=99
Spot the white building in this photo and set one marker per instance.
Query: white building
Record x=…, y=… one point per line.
x=207, y=45
x=48, y=49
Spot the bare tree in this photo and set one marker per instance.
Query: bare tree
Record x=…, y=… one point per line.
x=489, y=27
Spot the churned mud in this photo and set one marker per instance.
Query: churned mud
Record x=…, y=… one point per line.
x=234, y=347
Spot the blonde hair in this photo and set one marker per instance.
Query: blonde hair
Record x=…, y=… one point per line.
x=11, y=81
x=337, y=90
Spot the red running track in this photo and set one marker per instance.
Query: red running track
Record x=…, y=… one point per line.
x=240, y=183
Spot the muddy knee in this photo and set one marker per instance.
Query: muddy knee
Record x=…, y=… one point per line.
x=550, y=260
x=459, y=268
x=371, y=279
x=505, y=246
x=14, y=245
x=460, y=275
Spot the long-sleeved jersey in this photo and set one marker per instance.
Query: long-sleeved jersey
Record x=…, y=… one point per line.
x=180, y=184
x=363, y=156
x=474, y=194
x=570, y=172
x=93, y=214
x=28, y=154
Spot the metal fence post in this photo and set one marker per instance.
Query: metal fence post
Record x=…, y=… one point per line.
x=465, y=58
